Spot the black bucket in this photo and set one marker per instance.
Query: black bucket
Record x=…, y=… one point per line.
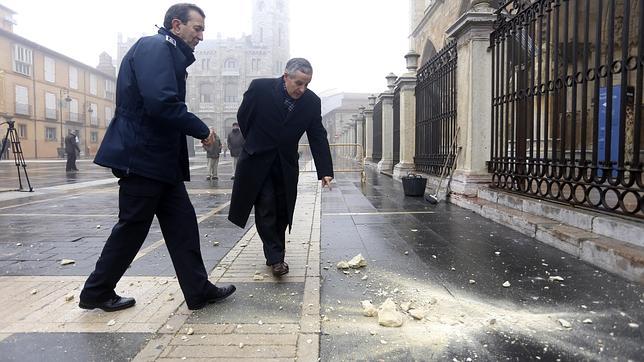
x=414, y=185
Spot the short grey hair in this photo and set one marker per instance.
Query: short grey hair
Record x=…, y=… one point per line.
x=298, y=64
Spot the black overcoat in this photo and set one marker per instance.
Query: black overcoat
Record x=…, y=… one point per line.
x=270, y=131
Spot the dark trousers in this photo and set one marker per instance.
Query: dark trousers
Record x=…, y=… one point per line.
x=71, y=161
x=140, y=199
x=271, y=217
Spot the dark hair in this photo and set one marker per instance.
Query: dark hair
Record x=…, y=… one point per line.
x=180, y=11
x=235, y=124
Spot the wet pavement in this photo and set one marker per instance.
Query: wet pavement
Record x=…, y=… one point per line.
x=444, y=260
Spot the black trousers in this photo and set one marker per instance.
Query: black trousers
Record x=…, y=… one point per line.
x=271, y=217
x=140, y=199
x=71, y=161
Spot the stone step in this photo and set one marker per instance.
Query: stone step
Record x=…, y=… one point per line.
x=585, y=235
x=614, y=227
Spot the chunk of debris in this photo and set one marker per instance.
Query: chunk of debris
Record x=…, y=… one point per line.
x=190, y=331
x=497, y=253
x=34, y=291
x=418, y=313
x=472, y=281
x=382, y=341
x=405, y=306
x=163, y=282
x=69, y=297
x=111, y=322
x=98, y=226
x=406, y=252
x=587, y=321
x=564, y=323
x=357, y=262
x=215, y=243
x=506, y=284
x=18, y=244
x=633, y=325
x=368, y=309
x=67, y=261
x=343, y=264
x=364, y=277
x=388, y=316
x=258, y=277
x=552, y=278
x=241, y=345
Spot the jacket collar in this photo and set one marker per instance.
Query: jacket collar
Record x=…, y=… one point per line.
x=187, y=51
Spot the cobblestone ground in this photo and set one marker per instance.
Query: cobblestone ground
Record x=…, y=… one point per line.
x=446, y=262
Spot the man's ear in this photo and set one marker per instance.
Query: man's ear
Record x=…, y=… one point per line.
x=175, y=24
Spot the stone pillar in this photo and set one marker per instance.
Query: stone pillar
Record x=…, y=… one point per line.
x=386, y=164
x=360, y=133
x=407, y=85
x=368, y=127
x=474, y=78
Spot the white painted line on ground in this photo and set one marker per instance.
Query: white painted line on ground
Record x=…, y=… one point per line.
x=377, y=213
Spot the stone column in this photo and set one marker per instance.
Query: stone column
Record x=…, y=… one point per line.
x=474, y=78
x=386, y=164
x=407, y=85
x=368, y=127
x=360, y=133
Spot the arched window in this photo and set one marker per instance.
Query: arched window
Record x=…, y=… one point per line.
x=230, y=64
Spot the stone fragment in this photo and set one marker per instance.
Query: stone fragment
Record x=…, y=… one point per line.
x=190, y=331
x=357, y=262
x=564, y=323
x=67, y=261
x=69, y=297
x=388, y=316
x=382, y=341
x=258, y=277
x=555, y=277
x=506, y=284
x=241, y=345
x=309, y=341
x=587, y=321
x=368, y=309
x=405, y=306
x=98, y=226
x=472, y=281
x=418, y=313
x=373, y=333
x=215, y=243
x=18, y=244
x=163, y=282
x=343, y=264
x=406, y=252
x=633, y=325
x=497, y=253
x=34, y=291
x=111, y=322
x=364, y=277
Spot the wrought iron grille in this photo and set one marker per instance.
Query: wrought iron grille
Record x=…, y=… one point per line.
x=567, y=102
x=396, y=109
x=377, y=132
x=436, y=111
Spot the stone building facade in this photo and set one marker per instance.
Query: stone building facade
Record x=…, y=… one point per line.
x=47, y=93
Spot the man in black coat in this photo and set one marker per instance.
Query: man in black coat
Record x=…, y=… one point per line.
x=145, y=146
x=71, y=147
x=273, y=116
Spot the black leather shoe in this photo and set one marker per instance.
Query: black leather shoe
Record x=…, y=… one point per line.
x=215, y=294
x=279, y=269
x=111, y=305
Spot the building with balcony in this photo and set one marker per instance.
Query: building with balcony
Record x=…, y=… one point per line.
x=47, y=93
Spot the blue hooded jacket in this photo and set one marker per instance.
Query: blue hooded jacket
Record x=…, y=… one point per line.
x=147, y=135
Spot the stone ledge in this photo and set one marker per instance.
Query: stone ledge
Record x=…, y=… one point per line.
x=620, y=257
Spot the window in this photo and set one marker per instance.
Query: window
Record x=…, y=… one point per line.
x=93, y=114
x=108, y=115
x=50, y=105
x=205, y=64
x=73, y=78
x=50, y=134
x=22, y=59
x=73, y=110
x=50, y=69
x=230, y=92
x=256, y=64
x=93, y=137
x=206, y=93
x=230, y=63
x=22, y=100
x=22, y=131
x=110, y=89
x=92, y=84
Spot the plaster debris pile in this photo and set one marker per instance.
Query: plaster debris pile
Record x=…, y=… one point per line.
x=388, y=314
x=356, y=262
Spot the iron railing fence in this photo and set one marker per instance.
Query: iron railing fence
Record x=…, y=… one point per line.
x=436, y=111
x=377, y=132
x=567, y=102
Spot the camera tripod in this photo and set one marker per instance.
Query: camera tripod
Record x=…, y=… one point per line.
x=18, y=158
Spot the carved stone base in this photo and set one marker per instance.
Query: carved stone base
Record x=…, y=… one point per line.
x=385, y=166
x=468, y=182
x=402, y=169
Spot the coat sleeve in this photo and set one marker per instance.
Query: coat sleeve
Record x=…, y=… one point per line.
x=155, y=76
x=320, y=145
x=246, y=111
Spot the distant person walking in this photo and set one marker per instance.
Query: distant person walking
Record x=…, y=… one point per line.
x=212, y=154
x=71, y=147
x=145, y=146
x=235, y=143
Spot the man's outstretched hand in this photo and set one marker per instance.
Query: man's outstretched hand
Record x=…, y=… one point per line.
x=210, y=140
x=326, y=181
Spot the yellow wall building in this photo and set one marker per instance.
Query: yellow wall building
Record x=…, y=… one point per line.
x=47, y=94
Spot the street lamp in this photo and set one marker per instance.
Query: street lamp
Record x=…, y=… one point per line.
x=60, y=111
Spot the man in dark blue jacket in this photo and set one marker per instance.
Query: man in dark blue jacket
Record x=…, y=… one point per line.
x=145, y=146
